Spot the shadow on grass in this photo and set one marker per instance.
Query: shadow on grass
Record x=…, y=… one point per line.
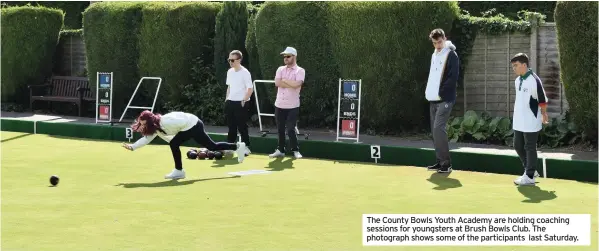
x=170, y=183
x=279, y=165
x=535, y=194
x=443, y=181
x=226, y=161
x=15, y=137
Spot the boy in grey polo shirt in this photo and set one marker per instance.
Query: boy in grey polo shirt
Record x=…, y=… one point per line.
x=530, y=113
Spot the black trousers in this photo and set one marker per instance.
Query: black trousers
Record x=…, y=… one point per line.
x=286, y=121
x=198, y=133
x=525, y=144
x=237, y=117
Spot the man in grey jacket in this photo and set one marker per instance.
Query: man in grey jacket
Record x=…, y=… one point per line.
x=441, y=92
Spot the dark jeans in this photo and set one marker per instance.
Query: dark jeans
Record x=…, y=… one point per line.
x=287, y=119
x=198, y=133
x=439, y=112
x=525, y=144
x=237, y=117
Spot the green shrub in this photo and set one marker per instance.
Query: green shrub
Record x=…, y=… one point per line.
x=29, y=38
x=482, y=128
x=251, y=48
x=577, y=44
x=172, y=36
x=508, y=9
x=203, y=97
x=301, y=25
x=111, y=42
x=253, y=62
x=386, y=45
x=231, y=30
x=73, y=10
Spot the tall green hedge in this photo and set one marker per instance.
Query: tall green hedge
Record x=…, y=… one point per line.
x=111, y=42
x=576, y=24
x=172, y=36
x=253, y=59
x=386, y=45
x=231, y=31
x=73, y=10
x=250, y=43
x=29, y=38
x=301, y=25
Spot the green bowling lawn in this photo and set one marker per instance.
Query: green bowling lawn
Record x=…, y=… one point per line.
x=109, y=198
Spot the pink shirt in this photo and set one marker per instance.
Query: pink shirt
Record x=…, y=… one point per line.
x=288, y=98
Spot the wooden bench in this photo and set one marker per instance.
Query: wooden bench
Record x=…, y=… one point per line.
x=62, y=89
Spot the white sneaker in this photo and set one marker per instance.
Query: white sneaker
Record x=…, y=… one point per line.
x=175, y=174
x=535, y=175
x=241, y=149
x=247, y=151
x=276, y=154
x=229, y=153
x=297, y=155
x=524, y=180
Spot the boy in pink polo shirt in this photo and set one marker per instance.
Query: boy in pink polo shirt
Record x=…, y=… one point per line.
x=289, y=80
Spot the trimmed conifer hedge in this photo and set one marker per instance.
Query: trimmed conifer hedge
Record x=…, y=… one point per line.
x=301, y=25
x=383, y=43
x=576, y=24
x=231, y=31
x=29, y=38
x=111, y=42
x=172, y=36
x=386, y=45
x=72, y=10
x=253, y=62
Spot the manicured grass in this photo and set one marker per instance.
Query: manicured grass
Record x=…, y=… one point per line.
x=113, y=199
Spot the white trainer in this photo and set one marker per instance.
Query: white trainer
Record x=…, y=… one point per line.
x=247, y=151
x=297, y=155
x=524, y=180
x=176, y=174
x=276, y=154
x=241, y=149
x=535, y=175
x=229, y=153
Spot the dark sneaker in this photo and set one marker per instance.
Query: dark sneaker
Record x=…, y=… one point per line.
x=434, y=167
x=444, y=169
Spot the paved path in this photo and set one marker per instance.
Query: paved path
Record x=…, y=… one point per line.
x=367, y=139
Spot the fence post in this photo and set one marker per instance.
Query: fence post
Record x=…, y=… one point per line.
x=533, y=44
x=509, y=86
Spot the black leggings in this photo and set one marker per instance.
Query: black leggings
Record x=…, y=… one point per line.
x=198, y=133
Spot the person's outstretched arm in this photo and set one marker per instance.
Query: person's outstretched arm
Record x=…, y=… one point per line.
x=140, y=142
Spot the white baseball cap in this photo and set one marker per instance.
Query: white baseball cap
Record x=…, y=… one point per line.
x=290, y=50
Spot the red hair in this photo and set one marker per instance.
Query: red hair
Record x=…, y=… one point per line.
x=152, y=123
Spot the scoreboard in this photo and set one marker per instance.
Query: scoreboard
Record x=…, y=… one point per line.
x=348, y=110
x=104, y=82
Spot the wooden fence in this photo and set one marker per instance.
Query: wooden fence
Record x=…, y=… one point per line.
x=489, y=79
x=70, y=55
